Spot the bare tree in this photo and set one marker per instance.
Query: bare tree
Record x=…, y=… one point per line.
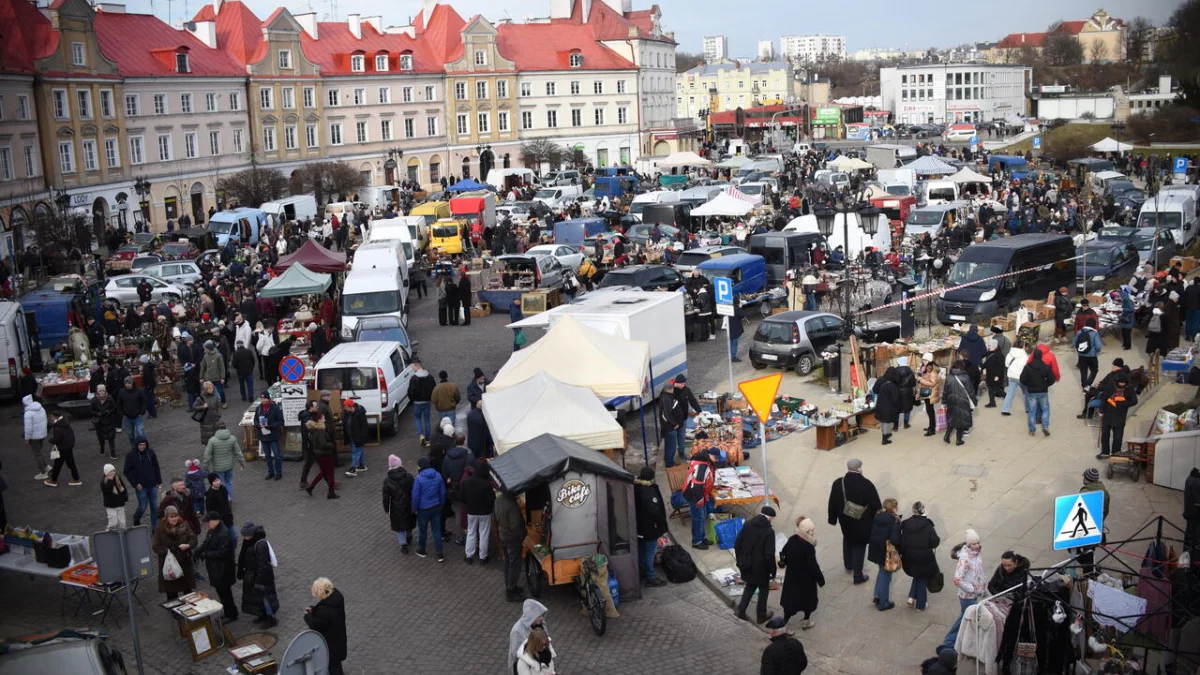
x=538, y=151
x=1137, y=38
x=1098, y=52
x=1027, y=55
x=253, y=186
x=330, y=179
x=687, y=61
x=1062, y=49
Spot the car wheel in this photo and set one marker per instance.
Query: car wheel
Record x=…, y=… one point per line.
x=757, y=365
x=392, y=423
x=805, y=364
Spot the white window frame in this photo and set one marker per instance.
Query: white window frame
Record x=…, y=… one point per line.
x=190, y=149
x=483, y=122
x=620, y=86
x=381, y=63
x=288, y=96
x=66, y=156
x=551, y=119
x=166, y=151
x=480, y=57
x=185, y=103
x=502, y=121
x=83, y=99
x=310, y=97
x=410, y=127
x=106, y=103
x=285, y=59
x=290, y=141
x=551, y=89
x=183, y=62
x=622, y=115
x=6, y=166
x=22, y=107
x=358, y=63
x=462, y=124
x=526, y=119
x=574, y=88
x=460, y=91
x=406, y=62
x=268, y=138
x=212, y=102
x=385, y=95
x=60, y=107
x=501, y=88
x=430, y=92
x=333, y=98
x=266, y=98
x=112, y=152
x=406, y=95
x=214, y=142
x=136, y=109
x=137, y=150
x=31, y=163
x=239, y=145
x=311, y=136
x=598, y=87
x=335, y=133
x=575, y=60
x=598, y=116
x=481, y=90
x=526, y=89
x=576, y=117
x=78, y=54
x=385, y=130
x=160, y=104
x=235, y=101
x=360, y=96
x=362, y=132
x=431, y=126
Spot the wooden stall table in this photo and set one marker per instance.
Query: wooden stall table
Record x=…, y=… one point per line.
x=736, y=487
x=827, y=430
x=199, y=621
x=65, y=388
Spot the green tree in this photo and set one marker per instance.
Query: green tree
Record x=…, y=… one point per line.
x=253, y=186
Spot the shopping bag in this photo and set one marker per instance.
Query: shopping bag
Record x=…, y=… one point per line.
x=893, y=561
x=171, y=569
x=727, y=531
x=941, y=417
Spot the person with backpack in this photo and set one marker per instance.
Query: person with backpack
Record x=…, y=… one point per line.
x=1088, y=345
x=1156, y=333
x=754, y=551
x=1037, y=380
x=697, y=490
x=853, y=501
x=651, y=522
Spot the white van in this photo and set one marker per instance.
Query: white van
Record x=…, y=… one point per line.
x=373, y=292
x=934, y=192
x=1099, y=180
x=1176, y=211
x=933, y=219
x=399, y=229
x=378, y=196
x=297, y=207
x=640, y=202
x=374, y=374
x=340, y=209
x=383, y=255
x=565, y=177
x=14, y=347
x=558, y=196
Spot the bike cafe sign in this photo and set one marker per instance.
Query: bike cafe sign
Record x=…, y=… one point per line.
x=574, y=493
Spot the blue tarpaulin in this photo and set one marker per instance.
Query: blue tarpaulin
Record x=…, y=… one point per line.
x=467, y=184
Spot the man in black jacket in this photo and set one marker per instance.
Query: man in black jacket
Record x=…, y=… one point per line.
x=854, y=494
x=131, y=401
x=420, y=390
x=189, y=353
x=754, y=550
x=243, y=362
x=354, y=425
x=651, y=522
x=1038, y=378
x=673, y=405
x=217, y=554
x=479, y=499
x=479, y=437
x=1116, y=398
x=785, y=655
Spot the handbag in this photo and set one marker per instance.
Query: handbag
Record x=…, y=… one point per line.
x=198, y=415
x=54, y=454
x=849, y=508
x=1025, y=660
x=892, y=560
x=964, y=388
x=926, y=392
x=937, y=582
x=519, y=338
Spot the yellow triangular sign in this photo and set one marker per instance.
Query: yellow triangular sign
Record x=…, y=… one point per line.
x=760, y=394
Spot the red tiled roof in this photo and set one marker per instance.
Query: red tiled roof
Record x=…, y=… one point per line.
x=25, y=36
x=239, y=32
x=336, y=43
x=607, y=23
x=1018, y=40
x=541, y=46
x=153, y=51
x=442, y=33
x=1070, y=27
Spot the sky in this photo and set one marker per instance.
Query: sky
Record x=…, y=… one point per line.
x=918, y=24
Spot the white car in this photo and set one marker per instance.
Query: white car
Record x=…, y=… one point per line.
x=180, y=272
x=123, y=289
x=569, y=257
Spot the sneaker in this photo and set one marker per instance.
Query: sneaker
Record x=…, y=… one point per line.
x=353, y=472
x=404, y=549
x=420, y=553
x=702, y=545
x=1006, y=414
x=468, y=559
x=484, y=561
x=911, y=602
x=75, y=483
x=41, y=476
x=807, y=623
x=1045, y=431
x=362, y=469
x=49, y=483
x=441, y=558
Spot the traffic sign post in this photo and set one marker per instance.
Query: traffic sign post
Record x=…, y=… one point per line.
x=760, y=395
x=291, y=369
x=1037, y=143
x=723, y=292
x=1179, y=166
x=1078, y=520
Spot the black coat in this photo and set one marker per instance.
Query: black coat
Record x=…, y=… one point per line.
x=479, y=436
x=958, y=393
x=906, y=381
x=860, y=491
x=354, y=424
x=918, y=539
x=1191, y=495
x=803, y=575
x=887, y=398
x=328, y=617
x=257, y=575
x=650, y=509
x=784, y=656
x=217, y=553
x=218, y=500
x=476, y=491
x=397, y=499
x=885, y=528
x=243, y=361
x=131, y=402
x=755, y=551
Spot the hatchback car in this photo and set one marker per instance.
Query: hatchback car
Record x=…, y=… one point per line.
x=567, y=256
x=1167, y=247
x=123, y=289
x=546, y=271
x=689, y=259
x=382, y=329
x=645, y=277
x=794, y=340
x=180, y=250
x=180, y=272
x=122, y=259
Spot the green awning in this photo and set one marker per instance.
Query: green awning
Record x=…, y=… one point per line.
x=297, y=280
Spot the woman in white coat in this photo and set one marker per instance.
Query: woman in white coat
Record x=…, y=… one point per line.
x=536, y=655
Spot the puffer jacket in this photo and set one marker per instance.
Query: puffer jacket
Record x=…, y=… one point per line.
x=429, y=492
x=969, y=576
x=36, y=424
x=221, y=451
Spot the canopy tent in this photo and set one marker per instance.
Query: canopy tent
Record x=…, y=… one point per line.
x=966, y=175
x=1014, y=120
x=845, y=163
x=734, y=162
x=545, y=458
x=724, y=205
x=1110, y=145
x=682, y=159
x=315, y=257
x=469, y=184
x=540, y=404
x=732, y=191
x=575, y=354
x=296, y=280
x=930, y=166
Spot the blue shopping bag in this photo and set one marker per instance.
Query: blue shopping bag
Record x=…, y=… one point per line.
x=727, y=531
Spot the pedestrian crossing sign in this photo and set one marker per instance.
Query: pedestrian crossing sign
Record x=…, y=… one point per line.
x=1078, y=520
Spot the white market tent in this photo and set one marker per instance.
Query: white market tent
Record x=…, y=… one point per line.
x=930, y=166
x=682, y=159
x=738, y=194
x=572, y=353
x=845, y=163
x=543, y=405
x=734, y=162
x=1111, y=145
x=967, y=175
x=724, y=205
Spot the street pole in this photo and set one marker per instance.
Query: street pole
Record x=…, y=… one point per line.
x=729, y=344
x=766, y=476
x=129, y=601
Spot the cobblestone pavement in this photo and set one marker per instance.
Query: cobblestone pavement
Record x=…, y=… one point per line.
x=405, y=614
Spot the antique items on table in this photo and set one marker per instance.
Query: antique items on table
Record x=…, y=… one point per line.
x=195, y=614
x=252, y=659
x=839, y=426
x=739, y=485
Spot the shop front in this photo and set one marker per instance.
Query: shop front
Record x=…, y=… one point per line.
x=963, y=113
x=826, y=123
x=916, y=113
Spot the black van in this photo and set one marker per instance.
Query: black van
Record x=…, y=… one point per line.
x=784, y=251
x=675, y=214
x=1046, y=263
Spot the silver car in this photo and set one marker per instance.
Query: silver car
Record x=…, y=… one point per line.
x=123, y=289
x=179, y=272
x=546, y=271
x=569, y=256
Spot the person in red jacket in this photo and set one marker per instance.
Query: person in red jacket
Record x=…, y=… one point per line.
x=697, y=490
x=1085, y=314
x=1049, y=358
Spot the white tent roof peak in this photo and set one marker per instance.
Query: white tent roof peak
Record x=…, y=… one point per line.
x=542, y=404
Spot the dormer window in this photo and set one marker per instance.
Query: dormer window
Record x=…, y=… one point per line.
x=358, y=63
x=285, y=58
x=480, y=57
x=406, y=61
x=575, y=60
x=381, y=63
x=181, y=63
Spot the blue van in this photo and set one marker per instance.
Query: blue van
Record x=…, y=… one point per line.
x=748, y=271
x=1015, y=165
x=61, y=303
x=573, y=232
x=243, y=224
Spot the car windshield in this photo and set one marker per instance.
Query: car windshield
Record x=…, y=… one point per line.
x=899, y=190
x=773, y=255
x=972, y=272
x=1144, y=244
x=430, y=219
x=774, y=332
x=617, y=278
x=175, y=249
x=219, y=227
x=146, y=262
x=442, y=231
x=347, y=379
x=1103, y=256
x=750, y=189
x=690, y=259
x=545, y=194
x=1152, y=219
x=925, y=217
x=1122, y=232
x=363, y=304
x=392, y=334
x=942, y=193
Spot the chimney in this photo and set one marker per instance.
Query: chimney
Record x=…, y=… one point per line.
x=353, y=21
x=309, y=23
x=111, y=7
x=376, y=21
x=205, y=31
x=410, y=31
x=427, y=10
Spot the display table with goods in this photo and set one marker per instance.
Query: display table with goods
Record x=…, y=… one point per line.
x=843, y=423
x=740, y=486
x=199, y=620
x=71, y=379
x=82, y=590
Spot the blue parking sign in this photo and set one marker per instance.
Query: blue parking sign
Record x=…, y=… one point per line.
x=1179, y=165
x=723, y=287
x=1037, y=142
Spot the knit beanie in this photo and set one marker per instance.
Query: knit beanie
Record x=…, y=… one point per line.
x=1091, y=475
x=394, y=462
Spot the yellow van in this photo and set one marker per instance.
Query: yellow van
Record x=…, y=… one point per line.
x=445, y=236
x=431, y=211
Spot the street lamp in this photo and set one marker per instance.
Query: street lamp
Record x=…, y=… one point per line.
x=62, y=200
x=142, y=187
x=826, y=215
x=389, y=166
x=487, y=159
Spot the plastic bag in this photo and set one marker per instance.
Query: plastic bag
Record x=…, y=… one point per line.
x=727, y=532
x=171, y=569
x=940, y=416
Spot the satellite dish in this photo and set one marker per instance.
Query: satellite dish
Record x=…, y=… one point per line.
x=306, y=655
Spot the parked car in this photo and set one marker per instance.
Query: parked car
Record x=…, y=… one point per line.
x=123, y=289
x=122, y=259
x=66, y=652
x=385, y=328
x=689, y=259
x=569, y=257
x=1104, y=260
x=547, y=271
x=180, y=250
x=181, y=272
x=141, y=262
x=640, y=233
x=144, y=239
x=1144, y=243
x=645, y=277
x=794, y=340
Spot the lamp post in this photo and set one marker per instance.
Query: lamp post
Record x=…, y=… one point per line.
x=62, y=200
x=389, y=166
x=142, y=187
x=826, y=214
x=486, y=159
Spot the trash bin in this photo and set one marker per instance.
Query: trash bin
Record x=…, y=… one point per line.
x=832, y=368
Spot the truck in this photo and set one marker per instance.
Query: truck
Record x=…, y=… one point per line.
x=431, y=211
x=381, y=196
x=895, y=208
x=242, y=224
x=615, y=186
x=477, y=211
x=890, y=155
x=655, y=317
x=898, y=177
x=296, y=207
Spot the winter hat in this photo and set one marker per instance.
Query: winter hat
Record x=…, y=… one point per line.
x=128, y=380
x=1157, y=311
x=394, y=462
x=443, y=375
x=777, y=623
x=211, y=477
x=1091, y=475
x=1118, y=362
x=312, y=326
x=918, y=509
x=248, y=528
x=478, y=372
x=423, y=463
x=681, y=379
x=997, y=330
x=927, y=357
x=349, y=403
x=192, y=464
x=646, y=473
x=144, y=358
x=972, y=536
x=212, y=516
x=768, y=511
x=109, y=468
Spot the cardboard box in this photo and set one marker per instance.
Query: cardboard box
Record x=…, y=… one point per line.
x=481, y=310
x=1032, y=305
x=1044, y=313
x=1188, y=263
x=1006, y=323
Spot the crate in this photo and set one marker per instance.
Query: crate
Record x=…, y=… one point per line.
x=83, y=573
x=1045, y=312
x=1005, y=323
x=1032, y=305
x=481, y=310
x=1188, y=263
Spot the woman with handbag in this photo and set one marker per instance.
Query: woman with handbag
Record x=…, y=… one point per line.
x=959, y=394
x=799, y=557
x=928, y=391
x=207, y=412
x=173, y=541
x=918, y=539
x=105, y=418
x=883, y=550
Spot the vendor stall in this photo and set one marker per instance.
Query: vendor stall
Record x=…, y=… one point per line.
x=315, y=258
x=540, y=404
